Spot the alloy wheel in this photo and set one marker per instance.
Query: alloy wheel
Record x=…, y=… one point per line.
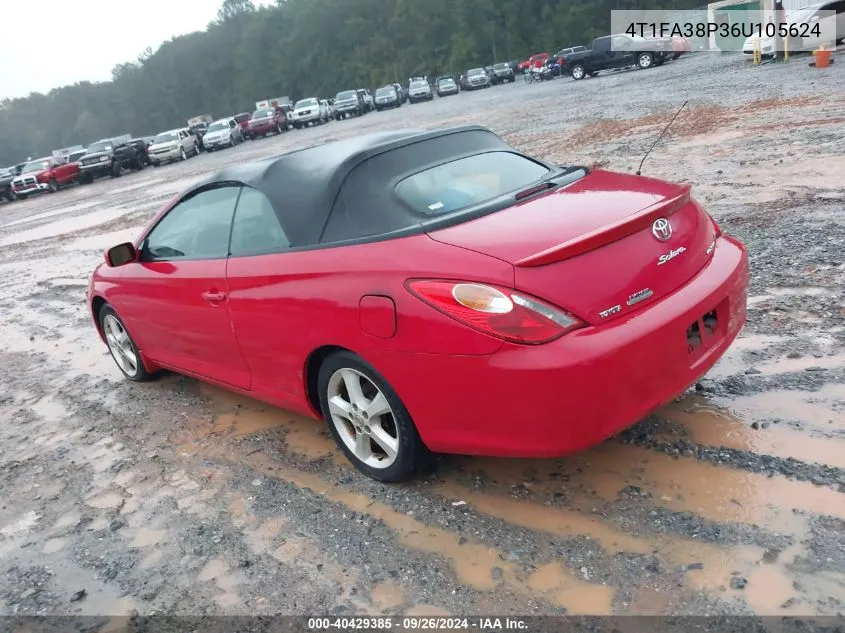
x=363, y=418
x=120, y=346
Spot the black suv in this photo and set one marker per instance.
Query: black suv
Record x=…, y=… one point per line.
x=109, y=157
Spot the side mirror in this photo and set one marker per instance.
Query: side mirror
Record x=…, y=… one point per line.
x=121, y=254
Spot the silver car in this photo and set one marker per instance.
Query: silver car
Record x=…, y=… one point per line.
x=419, y=90
x=477, y=78
x=222, y=133
x=171, y=146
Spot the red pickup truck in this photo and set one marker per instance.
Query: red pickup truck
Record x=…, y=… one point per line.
x=535, y=61
x=44, y=174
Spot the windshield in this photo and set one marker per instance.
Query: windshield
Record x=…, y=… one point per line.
x=346, y=95
x=800, y=15
x=72, y=158
x=36, y=165
x=500, y=66
x=100, y=146
x=165, y=137
x=475, y=72
x=261, y=114
x=447, y=82
x=419, y=84
x=386, y=92
x=305, y=103
x=217, y=126
x=468, y=181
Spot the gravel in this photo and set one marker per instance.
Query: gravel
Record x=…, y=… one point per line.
x=175, y=498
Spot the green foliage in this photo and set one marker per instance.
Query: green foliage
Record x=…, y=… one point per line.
x=298, y=48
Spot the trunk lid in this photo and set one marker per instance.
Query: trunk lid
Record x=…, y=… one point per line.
x=599, y=247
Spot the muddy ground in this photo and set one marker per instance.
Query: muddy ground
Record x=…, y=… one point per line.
x=173, y=497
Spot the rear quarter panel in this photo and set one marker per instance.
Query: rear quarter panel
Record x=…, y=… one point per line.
x=286, y=306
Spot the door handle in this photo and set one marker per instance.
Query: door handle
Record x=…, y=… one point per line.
x=214, y=296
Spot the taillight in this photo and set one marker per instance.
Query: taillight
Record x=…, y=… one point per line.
x=500, y=312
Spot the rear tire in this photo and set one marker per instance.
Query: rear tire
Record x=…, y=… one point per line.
x=578, y=72
x=371, y=426
x=645, y=60
x=121, y=346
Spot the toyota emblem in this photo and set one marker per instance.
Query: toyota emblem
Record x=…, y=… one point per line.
x=661, y=229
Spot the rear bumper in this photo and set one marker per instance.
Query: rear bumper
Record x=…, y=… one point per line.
x=266, y=128
x=573, y=393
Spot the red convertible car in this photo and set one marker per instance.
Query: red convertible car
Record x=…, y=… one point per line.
x=430, y=291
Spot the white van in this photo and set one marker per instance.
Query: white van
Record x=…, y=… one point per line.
x=830, y=33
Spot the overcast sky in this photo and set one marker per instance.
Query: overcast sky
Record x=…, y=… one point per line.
x=52, y=43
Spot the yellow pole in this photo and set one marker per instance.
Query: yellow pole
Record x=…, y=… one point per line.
x=757, y=52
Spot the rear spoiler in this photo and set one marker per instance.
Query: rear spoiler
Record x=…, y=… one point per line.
x=608, y=234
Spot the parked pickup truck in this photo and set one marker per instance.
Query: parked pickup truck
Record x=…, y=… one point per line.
x=44, y=174
x=109, y=157
x=618, y=51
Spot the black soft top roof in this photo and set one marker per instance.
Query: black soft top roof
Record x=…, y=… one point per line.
x=304, y=185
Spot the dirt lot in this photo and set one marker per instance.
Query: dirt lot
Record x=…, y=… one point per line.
x=173, y=497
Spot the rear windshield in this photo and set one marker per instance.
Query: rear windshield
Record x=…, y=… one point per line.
x=258, y=114
x=500, y=66
x=385, y=92
x=468, y=181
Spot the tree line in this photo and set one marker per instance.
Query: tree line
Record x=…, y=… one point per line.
x=297, y=48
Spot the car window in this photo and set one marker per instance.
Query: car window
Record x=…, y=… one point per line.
x=196, y=228
x=256, y=229
x=468, y=181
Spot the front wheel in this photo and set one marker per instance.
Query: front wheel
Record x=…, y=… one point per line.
x=183, y=155
x=645, y=60
x=121, y=346
x=52, y=186
x=368, y=420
